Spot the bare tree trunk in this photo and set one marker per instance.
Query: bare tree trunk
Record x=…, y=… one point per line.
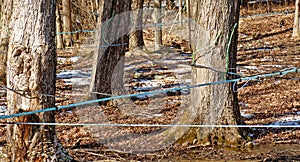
x=59, y=37
x=31, y=69
x=188, y=2
x=112, y=43
x=158, y=22
x=296, y=31
x=6, y=7
x=136, y=36
x=67, y=24
x=180, y=12
x=218, y=104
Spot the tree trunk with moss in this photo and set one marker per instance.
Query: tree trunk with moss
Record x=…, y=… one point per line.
x=216, y=47
x=112, y=42
x=31, y=73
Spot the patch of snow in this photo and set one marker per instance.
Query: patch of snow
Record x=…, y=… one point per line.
x=157, y=115
x=245, y=115
x=75, y=58
x=75, y=77
x=266, y=60
x=62, y=60
x=77, y=81
x=276, y=66
x=250, y=67
x=288, y=120
x=3, y=110
x=72, y=74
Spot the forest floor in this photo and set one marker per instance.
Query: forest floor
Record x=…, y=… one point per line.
x=265, y=46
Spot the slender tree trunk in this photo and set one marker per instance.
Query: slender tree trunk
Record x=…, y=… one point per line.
x=213, y=105
x=158, y=22
x=113, y=42
x=6, y=7
x=296, y=31
x=136, y=36
x=188, y=6
x=59, y=37
x=31, y=69
x=180, y=12
x=67, y=24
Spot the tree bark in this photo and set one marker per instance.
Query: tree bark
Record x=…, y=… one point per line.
x=31, y=73
x=180, y=11
x=5, y=16
x=158, y=23
x=136, y=36
x=218, y=104
x=113, y=39
x=59, y=37
x=67, y=25
x=296, y=30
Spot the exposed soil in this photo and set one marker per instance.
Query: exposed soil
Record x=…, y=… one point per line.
x=265, y=46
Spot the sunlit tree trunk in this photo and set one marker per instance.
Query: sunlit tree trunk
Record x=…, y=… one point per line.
x=136, y=36
x=296, y=31
x=59, y=37
x=31, y=73
x=180, y=11
x=158, y=22
x=217, y=104
x=67, y=24
x=113, y=39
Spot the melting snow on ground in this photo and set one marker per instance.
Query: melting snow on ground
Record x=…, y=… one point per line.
x=75, y=77
x=288, y=120
x=2, y=110
x=62, y=60
x=285, y=120
x=246, y=115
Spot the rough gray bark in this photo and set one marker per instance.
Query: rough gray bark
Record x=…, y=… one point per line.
x=112, y=42
x=217, y=104
x=31, y=70
x=296, y=30
x=136, y=36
